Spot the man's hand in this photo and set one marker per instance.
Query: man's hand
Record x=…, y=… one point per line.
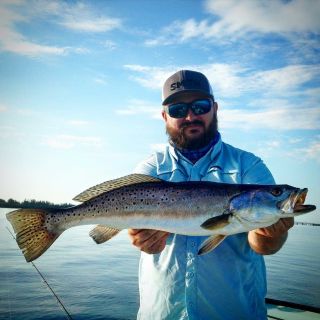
x=149, y=241
x=269, y=240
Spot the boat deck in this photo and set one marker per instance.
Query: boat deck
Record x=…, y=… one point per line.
x=281, y=310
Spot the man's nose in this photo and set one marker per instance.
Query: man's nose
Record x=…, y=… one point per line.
x=190, y=115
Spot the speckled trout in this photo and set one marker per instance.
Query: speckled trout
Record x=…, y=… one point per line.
x=143, y=202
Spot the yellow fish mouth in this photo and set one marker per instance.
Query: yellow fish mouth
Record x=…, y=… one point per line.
x=297, y=200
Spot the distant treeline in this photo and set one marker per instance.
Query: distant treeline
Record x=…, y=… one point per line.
x=31, y=204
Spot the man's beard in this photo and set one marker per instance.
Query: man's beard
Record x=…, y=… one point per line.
x=179, y=139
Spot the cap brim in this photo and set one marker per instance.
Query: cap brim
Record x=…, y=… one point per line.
x=172, y=96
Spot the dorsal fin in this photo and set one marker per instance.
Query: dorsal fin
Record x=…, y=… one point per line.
x=114, y=184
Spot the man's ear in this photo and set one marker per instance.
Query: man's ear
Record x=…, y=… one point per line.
x=215, y=106
x=164, y=115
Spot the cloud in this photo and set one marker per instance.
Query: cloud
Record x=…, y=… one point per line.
x=310, y=152
x=269, y=16
x=225, y=78
x=158, y=146
x=101, y=80
x=150, y=77
x=276, y=118
x=283, y=79
x=313, y=151
x=140, y=107
x=109, y=45
x=279, y=99
x=80, y=17
x=77, y=17
x=3, y=108
x=78, y=123
x=233, y=80
x=69, y=141
x=233, y=19
x=13, y=41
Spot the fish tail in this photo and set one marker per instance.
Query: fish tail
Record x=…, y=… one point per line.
x=32, y=235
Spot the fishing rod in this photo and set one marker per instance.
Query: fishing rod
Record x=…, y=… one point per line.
x=48, y=285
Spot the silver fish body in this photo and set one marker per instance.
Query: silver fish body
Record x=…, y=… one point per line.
x=143, y=202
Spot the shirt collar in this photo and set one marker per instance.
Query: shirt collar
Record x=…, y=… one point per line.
x=167, y=165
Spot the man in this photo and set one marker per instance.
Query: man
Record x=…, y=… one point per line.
x=230, y=281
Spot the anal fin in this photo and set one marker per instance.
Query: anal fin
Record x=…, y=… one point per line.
x=211, y=243
x=102, y=233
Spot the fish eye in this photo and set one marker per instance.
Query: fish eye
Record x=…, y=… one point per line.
x=276, y=192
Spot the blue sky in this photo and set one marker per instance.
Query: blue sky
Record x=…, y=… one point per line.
x=80, y=86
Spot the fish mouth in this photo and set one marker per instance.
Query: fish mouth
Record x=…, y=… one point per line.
x=297, y=199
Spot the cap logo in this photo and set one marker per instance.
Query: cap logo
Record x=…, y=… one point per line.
x=185, y=83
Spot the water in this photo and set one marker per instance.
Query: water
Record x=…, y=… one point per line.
x=100, y=281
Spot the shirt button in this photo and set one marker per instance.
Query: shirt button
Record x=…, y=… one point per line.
x=193, y=244
x=190, y=274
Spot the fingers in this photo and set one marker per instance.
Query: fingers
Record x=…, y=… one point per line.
x=277, y=229
x=149, y=241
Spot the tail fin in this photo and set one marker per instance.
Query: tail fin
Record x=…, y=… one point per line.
x=32, y=235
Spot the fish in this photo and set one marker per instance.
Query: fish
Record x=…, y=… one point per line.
x=136, y=201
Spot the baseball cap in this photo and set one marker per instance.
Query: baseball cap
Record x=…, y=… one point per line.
x=185, y=81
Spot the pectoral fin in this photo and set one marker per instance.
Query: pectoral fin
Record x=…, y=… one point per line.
x=217, y=222
x=102, y=234
x=211, y=243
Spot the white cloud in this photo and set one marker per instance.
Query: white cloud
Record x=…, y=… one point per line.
x=273, y=95
x=77, y=17
x=158, y=146
x=310, y=152
x=140, y=107
x=284, y=79
x=100, y=80
x=232, y=80
x=269, y=16
x=3, y=108
x=150, y=77
x=80, y=17
x=233, y=19
x=13, y=41
x=78, y=123
x=313, y=151
x=69, y=141
x=225, y=79
x=109, y=45
x=99, y=25
x=276, y=118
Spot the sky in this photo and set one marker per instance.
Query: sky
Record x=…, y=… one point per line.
x=80, y=87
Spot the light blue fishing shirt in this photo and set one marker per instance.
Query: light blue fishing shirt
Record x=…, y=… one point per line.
x=227, y=283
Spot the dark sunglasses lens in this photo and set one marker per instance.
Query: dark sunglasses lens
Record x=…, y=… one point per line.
x=201, y=107
x=178, y=110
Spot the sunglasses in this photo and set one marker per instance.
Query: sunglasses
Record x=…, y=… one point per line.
x=181, y=109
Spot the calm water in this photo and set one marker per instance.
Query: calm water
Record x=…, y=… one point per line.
x=100, y=282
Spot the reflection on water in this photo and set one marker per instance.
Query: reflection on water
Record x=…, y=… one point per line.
x=100, y=281
x=93, y=281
